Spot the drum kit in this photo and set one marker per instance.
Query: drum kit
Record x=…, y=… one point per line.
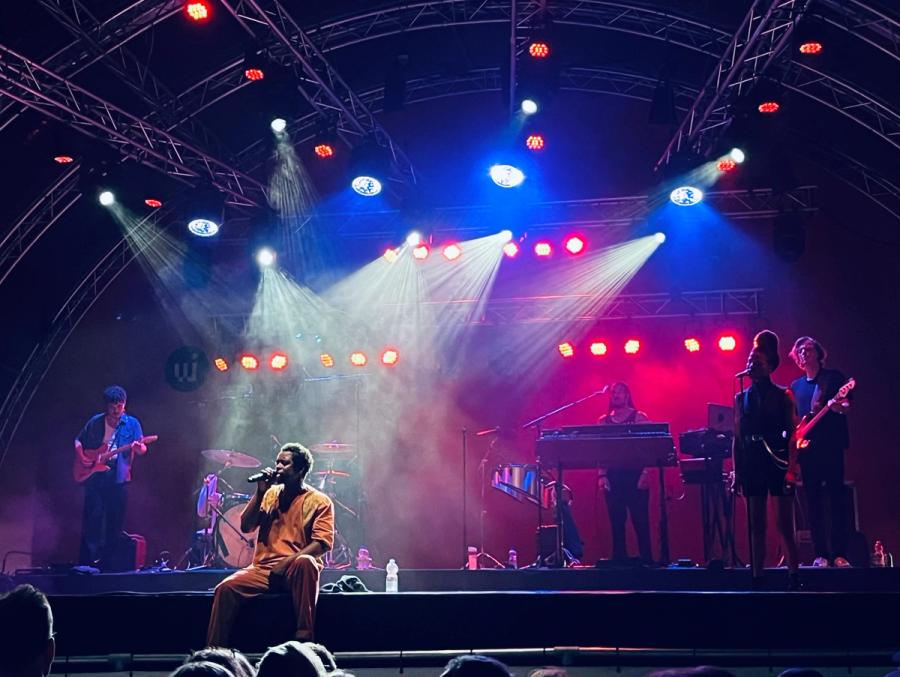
x=223, y=544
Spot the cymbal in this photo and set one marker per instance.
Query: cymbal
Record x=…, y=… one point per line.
x=331, y=448
x=235, y=459
x=331, y=473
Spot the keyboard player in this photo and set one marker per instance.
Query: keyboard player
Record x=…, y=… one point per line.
x=627, y=491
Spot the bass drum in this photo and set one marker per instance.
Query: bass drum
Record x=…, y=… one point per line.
x=235, y=548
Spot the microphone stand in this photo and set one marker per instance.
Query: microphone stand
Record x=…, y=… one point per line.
x=560, y=555
x=483, y=468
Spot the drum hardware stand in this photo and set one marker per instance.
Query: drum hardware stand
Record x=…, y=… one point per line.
x=340, y=556
x=559, y=558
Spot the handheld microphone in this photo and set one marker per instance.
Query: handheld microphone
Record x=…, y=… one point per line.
x=746, y=372
x=257, y=476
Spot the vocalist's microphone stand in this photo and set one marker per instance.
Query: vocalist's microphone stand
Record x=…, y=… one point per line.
x=562, y=555
x=481, y=551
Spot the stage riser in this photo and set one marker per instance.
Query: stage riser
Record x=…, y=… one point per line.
x=176, y=623
x=487, y=580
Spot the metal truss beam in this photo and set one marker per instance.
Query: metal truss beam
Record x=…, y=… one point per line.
x=46, y=92
x=38, y=218
x=762, y=35
x=864, y=109
x=851, y=171
x=64, y=323
x=321, y=85
x=865, y=23
x=570, y=308
x=164, y=108
x=111, y=36
x=612, y=212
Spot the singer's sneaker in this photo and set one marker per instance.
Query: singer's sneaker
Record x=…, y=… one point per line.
x=842, y=563
x=820, y=562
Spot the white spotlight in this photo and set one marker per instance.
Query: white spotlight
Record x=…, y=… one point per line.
x=107, y=198
x=660, y=237
x=265, y=257
x=366, y=185
x=414, y=238
x=529, y=106
x=279, y=125
x=506, y=235
x=737, y=155
x=507, y=176
x=203, y=227
x=686, y=196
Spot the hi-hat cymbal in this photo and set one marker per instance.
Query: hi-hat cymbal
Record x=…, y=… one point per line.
x=331, y=448
x=234, y=459
x=331, y=473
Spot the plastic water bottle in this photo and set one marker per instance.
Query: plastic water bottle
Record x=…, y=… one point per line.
x=878, y=558
x=392, y=582
x=472, y=562
x=512, y=559
x=363, y=560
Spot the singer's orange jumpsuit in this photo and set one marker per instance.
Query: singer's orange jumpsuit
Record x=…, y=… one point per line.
x=309, y=517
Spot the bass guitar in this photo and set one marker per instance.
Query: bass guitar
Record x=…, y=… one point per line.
x=809, y=421
x=92, y=461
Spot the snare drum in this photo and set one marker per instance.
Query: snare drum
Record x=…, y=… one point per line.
x=234, y=548
x=518, y=481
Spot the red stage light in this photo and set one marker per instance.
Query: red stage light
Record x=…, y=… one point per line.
x=153, y=203
x=420, y=251
x=692, y=345
x=599, y=349
x=64, y=159
x=254, y=74
x=575, y=245
x=452, y=252
x=543, y=249
x=726, y=165
x=566, y=349
x=769, y=107
x=511, y=249
x=539, y=50
x=727, y=343
x=278, y=361
x=535, y=142
x=324, y=150
x=632, y=346
x=358, y=359
x=249, y=362
x=327, y=360
x=811, y=47
x=390, y=357
x=198, y=10
x=221, y=363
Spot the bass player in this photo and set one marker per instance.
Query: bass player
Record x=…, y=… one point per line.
x=822, y=461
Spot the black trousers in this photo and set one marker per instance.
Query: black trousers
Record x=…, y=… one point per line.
x=625, y=498
x=822, y=471
x=102, y=520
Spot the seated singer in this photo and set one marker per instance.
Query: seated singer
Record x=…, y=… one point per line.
x=628, y=491
x=296, y=527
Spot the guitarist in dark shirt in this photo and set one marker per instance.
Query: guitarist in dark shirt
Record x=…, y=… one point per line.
x=822, y=461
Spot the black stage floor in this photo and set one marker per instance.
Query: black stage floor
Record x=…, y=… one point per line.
x=855, y=610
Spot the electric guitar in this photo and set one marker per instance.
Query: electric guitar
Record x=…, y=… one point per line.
x=92, y=461
x=809, y=421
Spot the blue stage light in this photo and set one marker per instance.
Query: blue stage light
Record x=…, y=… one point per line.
x=686, y=196
x=507, y=176
x=203, y=227
x=366, y=185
